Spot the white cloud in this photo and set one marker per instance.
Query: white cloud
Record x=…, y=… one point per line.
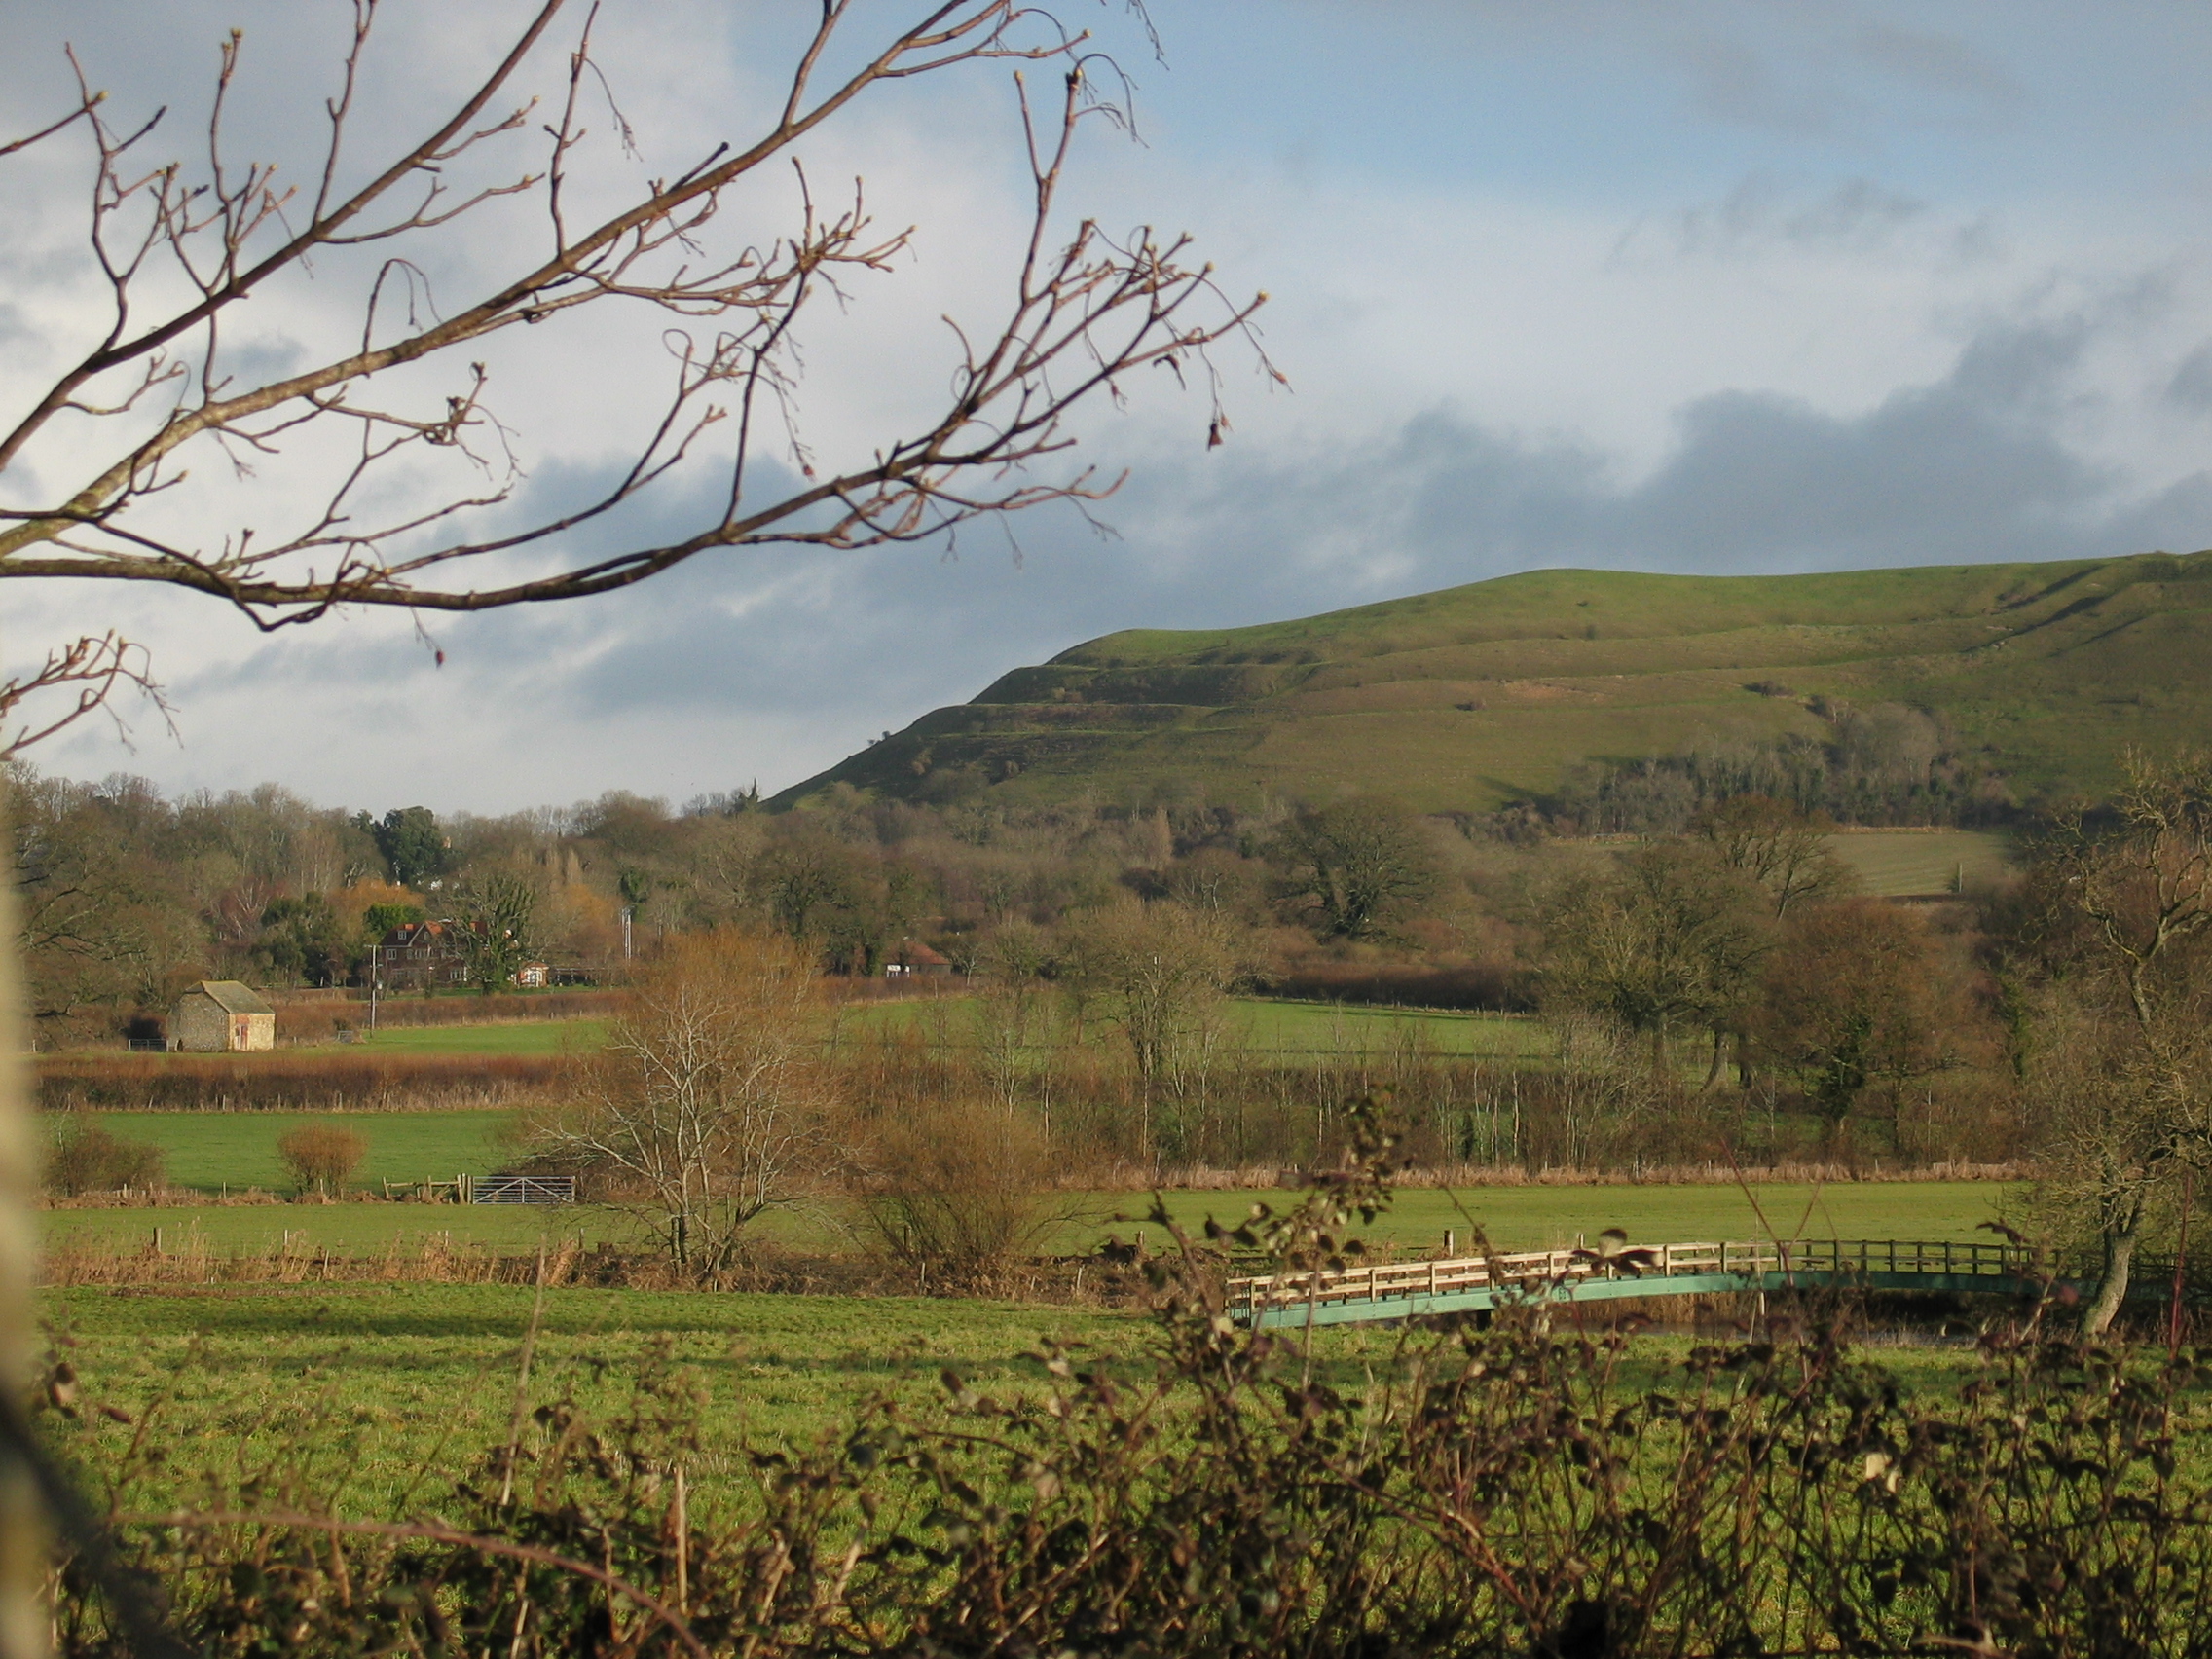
x=1811, y=354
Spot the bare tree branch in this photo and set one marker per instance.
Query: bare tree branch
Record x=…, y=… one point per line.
x=182, y=249
x=98, y=666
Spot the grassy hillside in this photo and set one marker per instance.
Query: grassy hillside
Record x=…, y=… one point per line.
x=1476, y=695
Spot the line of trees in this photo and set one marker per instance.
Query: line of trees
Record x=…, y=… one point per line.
x=1722, y=994
x=1885, y=763
x=128, y=895
x=1717, y=991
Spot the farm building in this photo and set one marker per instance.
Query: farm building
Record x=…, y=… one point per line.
x=533, y=974
x=912, y=959
x=219, y=1016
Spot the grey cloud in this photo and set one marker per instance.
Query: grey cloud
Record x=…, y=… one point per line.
x=1814, y=74
x=1961, y=471
x=1941, y=62
x=2191, y=383
x=1760, y=212
x=1733, y=81
x=1966, y=468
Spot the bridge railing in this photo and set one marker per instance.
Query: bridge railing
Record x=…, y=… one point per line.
x=1821, y=1259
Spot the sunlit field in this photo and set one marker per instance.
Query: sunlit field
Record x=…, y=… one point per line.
x=1268, y=1028
x=1512, y=1218
x=370, y=1391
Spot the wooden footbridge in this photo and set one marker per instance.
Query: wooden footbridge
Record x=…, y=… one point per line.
x=1402, y=1290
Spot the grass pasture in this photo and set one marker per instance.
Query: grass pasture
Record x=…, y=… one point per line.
x=367, y=1388
x=1269, y=1027
x=346, y=1229
x=211, y=1151
x=1469, y=698
x=206, y=1150
x=374, y=1398
x=1317, y=1028
x=1272, y=1027
x=1893, y=864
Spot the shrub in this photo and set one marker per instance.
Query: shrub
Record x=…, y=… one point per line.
x=959, y=1187
x=86, y=1158
x=320, y=1157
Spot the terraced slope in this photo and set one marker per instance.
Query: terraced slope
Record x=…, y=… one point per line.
x=1475, y=695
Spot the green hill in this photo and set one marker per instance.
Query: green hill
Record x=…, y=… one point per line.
x=1476, y=695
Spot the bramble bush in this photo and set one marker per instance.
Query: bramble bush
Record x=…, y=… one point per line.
x=961, y=1189
x=320, y=1156
x=83, y=1157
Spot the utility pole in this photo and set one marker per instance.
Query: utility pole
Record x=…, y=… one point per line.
x=375, y=986
x=626, y=910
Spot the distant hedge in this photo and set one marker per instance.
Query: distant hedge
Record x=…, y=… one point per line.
x=281, y=1081
x=1491, y=987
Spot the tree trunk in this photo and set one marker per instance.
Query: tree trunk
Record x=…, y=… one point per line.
x=23, y=1531
x=2119, y=1259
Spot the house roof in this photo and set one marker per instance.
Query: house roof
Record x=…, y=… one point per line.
x=913, y=953
x=232, y=997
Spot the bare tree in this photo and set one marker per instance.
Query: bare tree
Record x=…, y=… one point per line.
x=1856, y=997
x=2125, y=1101
x=1351, y=869
x=156, y=454
x=1667, y=941
x=1159, y=973
x=709, y=1098
x=1780, y=846
x=962, y=1187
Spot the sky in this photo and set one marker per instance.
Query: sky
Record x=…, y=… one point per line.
x=1707, y=287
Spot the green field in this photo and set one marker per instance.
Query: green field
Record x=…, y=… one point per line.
x=373, y=1398
x=366, y=1386
x=1915, y=862
x=346, y=1228
x=1514, y=1218
x=1269, y=1027
x=1264, y=1024
x=211, y=1151
x=1477, y=695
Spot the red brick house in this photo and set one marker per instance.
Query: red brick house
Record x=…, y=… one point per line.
x=912, y=958
x=420, y=955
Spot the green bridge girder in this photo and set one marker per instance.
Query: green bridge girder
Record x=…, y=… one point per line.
x=1279, y=1316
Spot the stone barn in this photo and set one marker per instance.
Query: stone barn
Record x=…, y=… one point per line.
x=219, y=1016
